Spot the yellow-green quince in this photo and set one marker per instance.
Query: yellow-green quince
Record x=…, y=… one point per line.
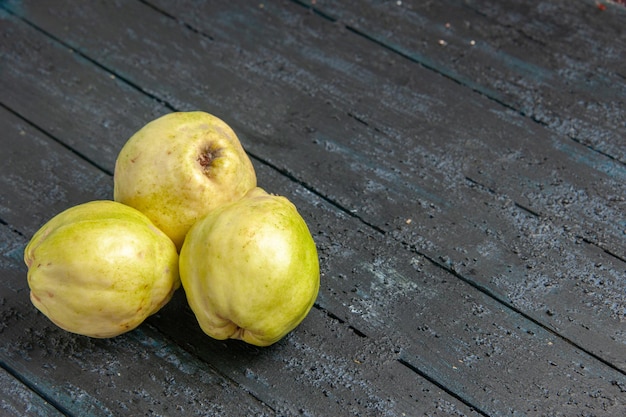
x=100, y=269
x=250, y=269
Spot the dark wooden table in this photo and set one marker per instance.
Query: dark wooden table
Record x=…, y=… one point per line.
x=461, y=165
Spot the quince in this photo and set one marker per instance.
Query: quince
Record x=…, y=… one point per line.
x=100, y=269
x=250, y=269
x=179, y=167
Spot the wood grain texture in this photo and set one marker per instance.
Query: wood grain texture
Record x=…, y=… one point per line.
x=82, y=91
x=17, y=399
x=533, y=57
x=41, y=179
x=471, y=257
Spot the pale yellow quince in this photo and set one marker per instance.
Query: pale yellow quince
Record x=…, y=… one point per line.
x=100, y=269
x=179, y=167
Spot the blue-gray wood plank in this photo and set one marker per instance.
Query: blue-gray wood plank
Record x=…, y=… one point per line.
x=472, y=251
x=532, y=57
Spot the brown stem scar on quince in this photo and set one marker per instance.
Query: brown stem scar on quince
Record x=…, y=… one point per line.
x=206, y=158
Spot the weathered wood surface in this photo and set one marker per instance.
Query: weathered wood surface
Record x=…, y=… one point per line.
x=467, y=200
x=546, y=60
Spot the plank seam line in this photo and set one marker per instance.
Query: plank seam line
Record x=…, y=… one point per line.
x=510, y=306
x=599, y=246
x=83, y=55
x=454, y=78
x=527, y=210
x=438, y=384
x=315, y=10
x=333, y=316
x=573, y=138
x=317, y=193
x=11, y=228
x=177, y=20
x=329, y=314
x=534, y=213
x=34, y=388
x=56, y=139
x=481, y=186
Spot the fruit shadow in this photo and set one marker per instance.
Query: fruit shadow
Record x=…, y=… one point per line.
x=177, y=322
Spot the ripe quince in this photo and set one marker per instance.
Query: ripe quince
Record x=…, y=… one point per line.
x=250, y=269
x=179, y=167
x=100, y=269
